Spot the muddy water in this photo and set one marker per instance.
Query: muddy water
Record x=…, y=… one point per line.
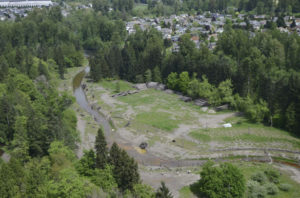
x=83, y=102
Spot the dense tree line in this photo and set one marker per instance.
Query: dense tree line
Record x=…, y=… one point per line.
x=33, y=51
x=120, y=169
x=168, y=7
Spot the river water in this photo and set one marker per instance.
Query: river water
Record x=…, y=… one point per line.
x=83, y=102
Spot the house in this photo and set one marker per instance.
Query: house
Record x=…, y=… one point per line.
x=175, y=38
x=175, y=47
x=166, y=33
x=212, y=45
x=195, y=39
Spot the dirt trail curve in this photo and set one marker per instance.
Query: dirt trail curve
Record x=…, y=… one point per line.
x=148, y=159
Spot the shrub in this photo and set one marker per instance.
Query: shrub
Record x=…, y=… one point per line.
x=105, y=179
x=259, y=177
x=273, y=176
x=285, y=187
x=224, y=181
x=271, y=188
x=256, y=190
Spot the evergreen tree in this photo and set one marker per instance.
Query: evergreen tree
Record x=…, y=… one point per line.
x=293, y=24
x=163, y=192
x=156, y=75
x=125, y=168
x=3, y=67
x=101, y=150
x=148, y=75
x=86, y=164
x=280, y=22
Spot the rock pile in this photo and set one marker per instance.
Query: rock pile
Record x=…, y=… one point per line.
x=169, y=91
x=185, y=98
x=125, y=93
x=140, y=86
x=223, y=107
x=201, y=102
x=150, y=85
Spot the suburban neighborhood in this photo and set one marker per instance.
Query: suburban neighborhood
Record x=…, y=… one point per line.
x=206, y=27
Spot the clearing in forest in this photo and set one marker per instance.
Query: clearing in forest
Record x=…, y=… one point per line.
x=176, y=129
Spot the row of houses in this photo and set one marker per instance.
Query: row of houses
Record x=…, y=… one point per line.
x=11, y=13
x=209, y=25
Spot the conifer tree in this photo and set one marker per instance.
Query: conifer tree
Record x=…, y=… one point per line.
x=157, y=75
x=125, y=168
x=101, y=150
x=86, y=164
x=163, y=192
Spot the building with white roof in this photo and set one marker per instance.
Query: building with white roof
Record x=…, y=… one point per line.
x=25, y=3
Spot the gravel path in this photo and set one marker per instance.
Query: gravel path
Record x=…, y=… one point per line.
x=87, y=139
x=174, y=180
x=294, y=172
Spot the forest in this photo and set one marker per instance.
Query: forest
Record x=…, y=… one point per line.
x=258, y=76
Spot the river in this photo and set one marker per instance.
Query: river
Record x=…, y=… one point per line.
x=83, y=102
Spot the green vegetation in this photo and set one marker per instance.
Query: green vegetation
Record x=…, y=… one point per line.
x=159, y=120
x=112, y=85
x=185, y=192
x=109, y=169
x=226, y=180
x=200, y=137
x=38, y=128
x=263, y=180
x=163, y=192
x=247, y=132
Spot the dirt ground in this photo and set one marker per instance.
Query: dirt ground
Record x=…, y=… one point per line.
x=174, y=180
x=293, y=172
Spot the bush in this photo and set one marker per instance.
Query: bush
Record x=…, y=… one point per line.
x=105, y=179
x=256, y=190
x=223, y=181
x=260, y=177
x=285, y=187
x=271, y=188
x=273, y=176
x=143, y=191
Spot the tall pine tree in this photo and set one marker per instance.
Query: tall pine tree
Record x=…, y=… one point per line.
x=125, y=168
x=163, y=192
x=101, y=150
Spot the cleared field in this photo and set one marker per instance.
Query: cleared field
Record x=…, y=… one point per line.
x=178, y=129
